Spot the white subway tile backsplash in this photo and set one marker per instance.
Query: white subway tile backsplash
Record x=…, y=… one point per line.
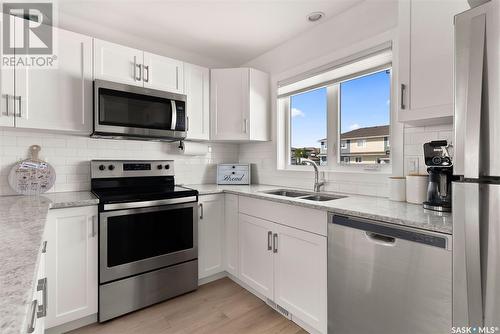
x=70, y=155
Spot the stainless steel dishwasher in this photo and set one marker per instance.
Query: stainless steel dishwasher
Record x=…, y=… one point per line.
x=387, y=279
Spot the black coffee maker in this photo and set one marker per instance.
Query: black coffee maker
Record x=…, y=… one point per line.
x=440, y=169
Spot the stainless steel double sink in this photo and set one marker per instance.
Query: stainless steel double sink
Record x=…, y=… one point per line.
x=309, y=196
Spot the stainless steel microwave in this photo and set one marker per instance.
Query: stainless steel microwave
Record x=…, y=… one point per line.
x=125, y=111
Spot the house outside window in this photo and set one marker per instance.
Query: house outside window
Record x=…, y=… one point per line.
x=359, y=159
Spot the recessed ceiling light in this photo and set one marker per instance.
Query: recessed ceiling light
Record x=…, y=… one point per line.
x=315, y=16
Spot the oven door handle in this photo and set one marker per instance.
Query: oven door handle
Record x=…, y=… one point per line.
x=142, y=204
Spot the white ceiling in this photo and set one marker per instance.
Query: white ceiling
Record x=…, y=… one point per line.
x=233, y=32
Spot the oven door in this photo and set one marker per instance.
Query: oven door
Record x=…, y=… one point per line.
x=124, y=110
x=134, y=241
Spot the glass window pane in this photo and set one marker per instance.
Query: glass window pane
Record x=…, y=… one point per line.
x=308, y=119
x=365, y=119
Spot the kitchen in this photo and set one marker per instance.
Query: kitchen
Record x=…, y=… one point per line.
x=320, y=167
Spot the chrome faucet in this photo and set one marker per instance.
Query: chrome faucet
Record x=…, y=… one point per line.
x=317, y=183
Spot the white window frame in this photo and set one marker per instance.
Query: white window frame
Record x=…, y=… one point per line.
x=333, y=162
x=343, y=144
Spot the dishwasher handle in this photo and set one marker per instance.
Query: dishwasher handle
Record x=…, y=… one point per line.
x=381, y=239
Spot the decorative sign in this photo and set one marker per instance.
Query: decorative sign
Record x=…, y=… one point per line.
x=233, y=174
x=32, y=176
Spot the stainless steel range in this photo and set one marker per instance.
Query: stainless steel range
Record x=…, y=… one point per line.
x=148, y=235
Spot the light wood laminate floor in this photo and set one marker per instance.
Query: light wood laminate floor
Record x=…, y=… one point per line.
x=221, y=306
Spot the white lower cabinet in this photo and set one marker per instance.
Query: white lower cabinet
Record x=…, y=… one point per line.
x=300, y=282
x=71, y=264
x=210, y=235
x=231, y=233
x=286, y=265
x=256, y=256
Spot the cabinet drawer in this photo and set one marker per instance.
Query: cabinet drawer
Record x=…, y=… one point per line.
x=300, y=217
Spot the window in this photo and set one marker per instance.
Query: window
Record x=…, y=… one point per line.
x=339, y=117
x=365, y=115
x=361, y=143
x=308, y=119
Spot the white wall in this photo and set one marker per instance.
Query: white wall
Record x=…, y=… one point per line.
x=70, y=155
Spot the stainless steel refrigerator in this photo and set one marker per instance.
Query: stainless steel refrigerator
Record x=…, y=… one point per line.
x=476, y=196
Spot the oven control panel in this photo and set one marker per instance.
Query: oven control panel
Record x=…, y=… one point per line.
x=130, y=168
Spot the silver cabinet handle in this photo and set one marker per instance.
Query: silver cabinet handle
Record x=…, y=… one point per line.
x=44, y=247
x=31, y=325
x=275, y=243
x=403, y=93
x=7, y=97
x=94, y=228
x=244, y=125
x=201, y=210
x=42, y=309
x=20, y=105
x=137, y=66
x=146, y=72
x=269, y=241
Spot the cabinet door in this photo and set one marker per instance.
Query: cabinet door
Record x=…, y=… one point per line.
x=300, y=282
x=71, y=264
x=197, y=89
x=163, y=73
x=256, y=255
x=59, y=98
x=210, y=235
x=229, y=91
x=6, y=89
x=231, y=233
x=426, y=59
x=118, y=63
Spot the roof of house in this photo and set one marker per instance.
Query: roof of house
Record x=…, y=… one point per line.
x=372, y=131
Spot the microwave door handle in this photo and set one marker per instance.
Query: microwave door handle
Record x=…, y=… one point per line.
x=174, y=115
x=474, y=94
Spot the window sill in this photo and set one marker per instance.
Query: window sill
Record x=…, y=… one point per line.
x=387, y=170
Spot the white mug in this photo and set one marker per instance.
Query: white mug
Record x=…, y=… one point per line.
x=397, y=188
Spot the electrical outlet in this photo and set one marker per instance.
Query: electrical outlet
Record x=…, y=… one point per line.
x=412, y=165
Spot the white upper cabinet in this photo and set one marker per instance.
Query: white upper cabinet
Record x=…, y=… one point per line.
x=6, y=89
x=163, y=73
x=118, y=63
x=426, y=60
x=71, y=264
x=60, y=98
x=239, y=99
x=197, y=90
x=210, y=235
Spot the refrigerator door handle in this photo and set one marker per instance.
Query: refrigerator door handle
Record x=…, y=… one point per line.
x=473, y=255
x=474, y=94
x=467, y=279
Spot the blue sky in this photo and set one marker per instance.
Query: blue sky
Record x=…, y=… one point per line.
x=363, y=101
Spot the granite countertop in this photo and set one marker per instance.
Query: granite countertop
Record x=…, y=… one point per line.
x=376, y=208
x=22, y=222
